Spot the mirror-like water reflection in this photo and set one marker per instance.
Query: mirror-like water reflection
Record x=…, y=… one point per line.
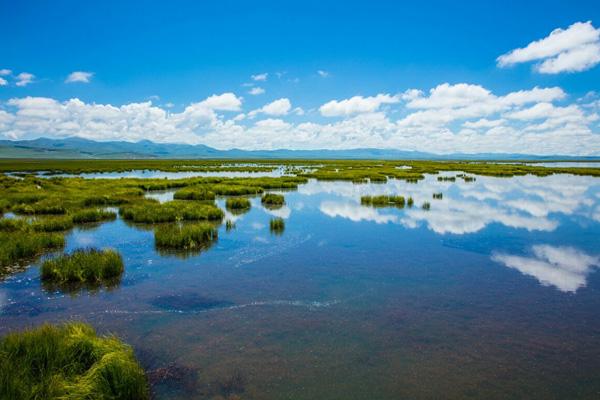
x=491, y=293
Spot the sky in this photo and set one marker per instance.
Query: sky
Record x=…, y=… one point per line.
x=440, y=77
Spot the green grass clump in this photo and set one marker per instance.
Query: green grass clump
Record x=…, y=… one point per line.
x=86, y=267
x=185, y=237
x=171, y=211
x=438, y=196
x=93, y=215
x=446, y=179
x=194, y=193
x=410, y=202
x=272, y=200
x=53, y=224
x=383, y=201
x=22, y=245
x=237, y=204
x=47, y=206
x=69, y=362
x=229, y=225
x=426, y=206
x=277, y=225
x=235, y=190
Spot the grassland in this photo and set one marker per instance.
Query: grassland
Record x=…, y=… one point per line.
x=68, y=362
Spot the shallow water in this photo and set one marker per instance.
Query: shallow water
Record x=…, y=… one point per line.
x=493, y=293
x=156, y=174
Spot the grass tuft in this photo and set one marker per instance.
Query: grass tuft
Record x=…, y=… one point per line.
x=69, y=362
x=383, y=201
x=185, y=236
x=85, y=267
x=93, y=215
x=272, y=200
x=237, y=204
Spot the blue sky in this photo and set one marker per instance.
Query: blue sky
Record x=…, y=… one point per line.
x=177, y=54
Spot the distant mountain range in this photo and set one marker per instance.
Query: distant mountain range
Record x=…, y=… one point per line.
x=75, y=147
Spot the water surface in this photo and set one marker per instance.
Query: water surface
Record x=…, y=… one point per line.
x=491, y=294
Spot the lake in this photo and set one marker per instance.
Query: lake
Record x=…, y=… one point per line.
x=493, y=293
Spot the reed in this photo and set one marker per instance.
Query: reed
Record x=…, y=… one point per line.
x=69, y=361
x=19, y=246
x=154, y=212
x=53, y=224
x=410, y=202
x=426, y=206
x=194, y=193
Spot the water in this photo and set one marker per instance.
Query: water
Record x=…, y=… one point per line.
x=156, y=174
x=494, y=293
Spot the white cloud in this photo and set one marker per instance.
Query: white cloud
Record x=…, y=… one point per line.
x=255, y=91
x=322, y=73
x=565, y=268
x=356, y=105
x=4, y=72
x=574, y=49
x=278, y=107
x=222, y=102
x=3, y=82
x=79, y=76
x=260, y=77
x=24, y=79
x=445, y=119
x=355, y=212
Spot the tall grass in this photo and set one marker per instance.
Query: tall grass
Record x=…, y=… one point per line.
x=237, y=204
x=68, y=362
x=154, y=212
x=53, y=224
x=194, y=193
x=410, y=201
x=21, y=245
x=185, y=236
x=277, y=225
x=272, y=200
x=383, y=201
x=93, y=215
x=84, y=267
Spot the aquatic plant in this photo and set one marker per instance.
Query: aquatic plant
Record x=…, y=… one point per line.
x=383, y=201
x=171, y=211
x=438, y=196
x=237, y=203
x=426, y=206
x=410, y=202
x=272, y=200
x=93, y=215
x=185, y=236
x=229, y=225
x=68, y=361
x=83, y=267
x=446, y=178
x=46, y=206
x=21, y=245
x=194, y=193
x=53, y=224
x=277, y=225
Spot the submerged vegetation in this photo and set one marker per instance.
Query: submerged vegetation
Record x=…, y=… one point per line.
x=383, y=201
x=185, y=236
x=277, y=225
x=68, y=362
x=83, y=268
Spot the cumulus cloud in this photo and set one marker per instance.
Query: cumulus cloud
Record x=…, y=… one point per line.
x=255, y=91
x=3, y=82
x=565, y=268
x=446, y=119
x=278, y=107
x=356, y=105
x=574, y=49
x=79, y=76
x=260, y=77
x=4, y=72
x=24, y=79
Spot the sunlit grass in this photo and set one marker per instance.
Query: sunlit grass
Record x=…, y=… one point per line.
x=93, y=215
x=19, y=246
x=272, y=200
x=237, y=204
x=83, y=268
x=383, y=201
x=185, y=236
x=68, y=362
x=154, y=212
